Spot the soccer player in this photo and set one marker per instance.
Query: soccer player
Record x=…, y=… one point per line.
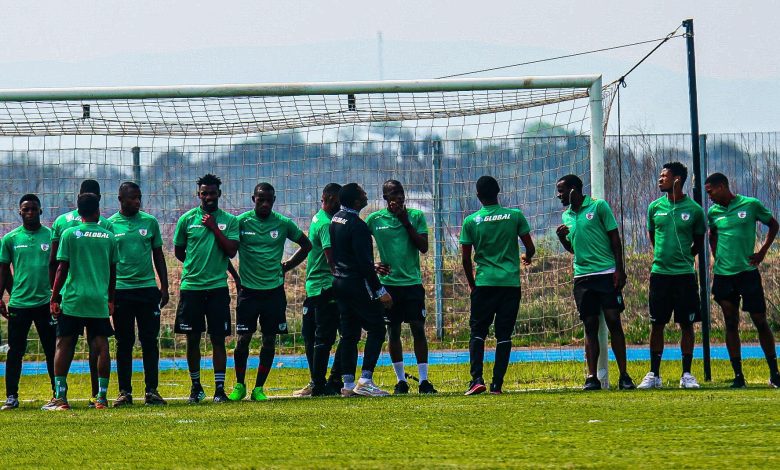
x=732, y=220
x=263, y=233
x=27, y=249
x=676, y=226
x=320, y=312
x=83, y=297
x=589, y=231
x=491, y=234
x=137, y=299
x=401, y=234
x=205, y=238
x=361, y=297
x=61, y=223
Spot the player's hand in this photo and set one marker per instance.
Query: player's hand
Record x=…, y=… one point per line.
x=3, y=309
x=387, y=301
x=382, y=269
x=562, y=231
x=619, y=278
x=472, y=288
x=110, y=308
x=757, y=257
x=525, y=259
x=285, y=267
x=209, y=222
x=237, y=282
x=399, y=210
x=164, y=298
x=54, y=309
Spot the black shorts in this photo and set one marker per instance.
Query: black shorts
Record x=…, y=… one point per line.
x=68, y=325
x=678, y=293
x=745, y=286
x=408, y=304
x=314, y=307
x=595, y=293
x=196, y=307
x=494, y=302
x=357, y=308
x=269, y=306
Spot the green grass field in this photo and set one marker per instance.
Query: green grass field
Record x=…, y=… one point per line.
x=710, y=427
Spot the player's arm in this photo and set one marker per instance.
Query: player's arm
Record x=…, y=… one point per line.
x=111, y=288
x=698, y=243
x=563, y=233
x=229, y=247
x=713, y=241
x=180, y=252
x=468, y=266
x=158, y=258
x=304, y=247
x=55, y=245
x=59, y=280
x=758, y=257
x=651, y=235
x=530, y=249
x=617, y=251
x=6, y=281
x=234, y=274
x=329, y=256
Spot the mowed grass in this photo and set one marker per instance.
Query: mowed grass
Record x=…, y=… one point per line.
x=710, y=427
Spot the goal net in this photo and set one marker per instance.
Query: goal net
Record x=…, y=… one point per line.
x=435, y=136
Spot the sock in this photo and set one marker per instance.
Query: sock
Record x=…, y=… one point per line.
x=736, y=364
x=655, y=363
x=349, y=381
x=240, y=374
x=687, y=359
x=423, y=370
x=60, y=388
x=266, y=362
x=102, y=386
x=195, y=377
x=219, y=380
x=366, y=375
x=399, y=371
x=772, y=362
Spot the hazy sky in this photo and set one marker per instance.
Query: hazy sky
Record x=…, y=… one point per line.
x=90, y=43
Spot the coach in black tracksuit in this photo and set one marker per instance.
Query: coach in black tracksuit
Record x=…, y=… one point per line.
x=360, y=296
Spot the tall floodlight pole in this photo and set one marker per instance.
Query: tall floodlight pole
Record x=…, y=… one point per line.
x=698, y=179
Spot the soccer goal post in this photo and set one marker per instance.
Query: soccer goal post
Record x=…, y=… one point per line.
x=435, y=136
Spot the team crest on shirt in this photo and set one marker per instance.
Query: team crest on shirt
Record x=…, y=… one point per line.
x=685, y=216
x=222, y=226
x=142, y=231
x=274, y=234
x=741, y=214
x=44, y=247
x=478, y=219
x=589, y=216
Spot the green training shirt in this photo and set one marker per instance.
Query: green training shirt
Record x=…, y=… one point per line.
x=71, y=219
x=90, y=250
x=28, y=252
x=674, y=225
x=261, y=248
x=493, y=231
x=736, y=228
x=588, y=236
x=136, y=236
x=205, y=265
x=318, y=275
x=396, y=248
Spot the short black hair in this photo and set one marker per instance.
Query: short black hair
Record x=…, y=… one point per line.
x=389, y=184
x=331, y=189
x=487, y=187
x=677, y=169
x=128, y=185
x=209, y=180
x=90, y=186
x=30, y=198
x=264, y=187
x=349, y=193
x=572, y=181
x=88, y=204
x=717, y=179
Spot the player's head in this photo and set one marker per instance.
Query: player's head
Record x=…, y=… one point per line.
x=673, y=176
x=487, y=190
x=209, y=192
x=567, y=186
x=717, y=187
x=264, y=198
x=90, y=186
x=352, y=196
x=393, y=192
x=89, y=207
x=129, y=198
x=30, y=209
x=330, y=198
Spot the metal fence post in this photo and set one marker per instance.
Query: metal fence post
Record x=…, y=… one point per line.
x=438, y=240
x=136, y=165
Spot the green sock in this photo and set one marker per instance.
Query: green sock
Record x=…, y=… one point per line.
x=60, y=388
x=102, y=386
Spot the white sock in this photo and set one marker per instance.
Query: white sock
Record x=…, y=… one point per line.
x=399, y=371
x=423, y=370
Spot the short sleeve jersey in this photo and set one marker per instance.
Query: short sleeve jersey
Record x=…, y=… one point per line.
x=205, y=264
x=71, y=219
x=588, y=229
x=90, y=250
x=674, y=225
x=136, y=236
x=396, y=248
x=493, y=231
x=28, y=252
x=736, y=230
x=318, y=275
x=261, y=248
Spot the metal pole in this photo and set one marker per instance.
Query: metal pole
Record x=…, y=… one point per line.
x=438, y=240
x=136, y=164
x=698, y=194
x=704, y=267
